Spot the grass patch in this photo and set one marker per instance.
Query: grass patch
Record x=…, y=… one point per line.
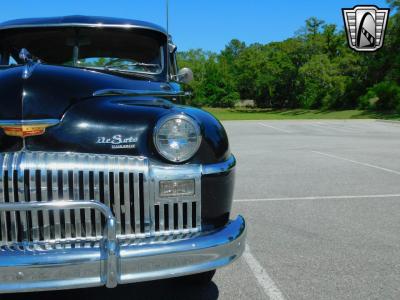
x=225, y=114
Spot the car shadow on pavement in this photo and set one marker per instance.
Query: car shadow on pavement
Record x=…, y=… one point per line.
x=161, y=289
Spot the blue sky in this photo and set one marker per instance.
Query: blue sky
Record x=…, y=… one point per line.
x=207, y=24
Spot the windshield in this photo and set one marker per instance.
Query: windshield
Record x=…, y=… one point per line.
x=138, y=50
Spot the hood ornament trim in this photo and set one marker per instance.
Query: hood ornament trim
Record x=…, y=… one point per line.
x=26, y=128
x=30, y=63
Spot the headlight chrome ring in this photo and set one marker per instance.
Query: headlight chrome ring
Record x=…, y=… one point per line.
x=177, y=137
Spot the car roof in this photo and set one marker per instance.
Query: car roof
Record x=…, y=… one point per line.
x=80, y=21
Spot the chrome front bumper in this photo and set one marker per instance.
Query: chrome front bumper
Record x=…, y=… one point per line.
x=114, y=263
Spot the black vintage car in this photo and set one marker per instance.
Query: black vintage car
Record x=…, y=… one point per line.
x=106, y=177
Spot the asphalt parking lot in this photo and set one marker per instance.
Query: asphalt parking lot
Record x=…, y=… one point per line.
x=322, y=203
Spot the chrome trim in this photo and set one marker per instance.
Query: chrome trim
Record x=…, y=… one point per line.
x=24, y=55
x=221, y=167
x=30, y=63
x=109, y=244
x=85, y=25
x=136, y=204
x=43, y=182
x=50, y=122
x=203, y=252
x=128, y=185
x=110, y=260
x=3, y=193
x=167, y=118
x=33, y=198
x=133, y=93
x=159, y=172
x=12, y=194
x=67, y=214
x=75, y=183
x=57, y=205
x=115, y=263
x=54, y=194
x=96, y=192
x=127, y=204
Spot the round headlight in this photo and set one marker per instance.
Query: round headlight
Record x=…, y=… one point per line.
x=177, y=137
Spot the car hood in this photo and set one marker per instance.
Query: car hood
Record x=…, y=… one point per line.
x=109, y=124
x=51, y=90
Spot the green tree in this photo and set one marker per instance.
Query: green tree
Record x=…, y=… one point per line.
x=314, y=69
x=195, y=59
x=313, y=26
x=322, y=83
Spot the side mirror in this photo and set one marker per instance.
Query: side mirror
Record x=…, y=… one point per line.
x=185, y=75
x=172, y=48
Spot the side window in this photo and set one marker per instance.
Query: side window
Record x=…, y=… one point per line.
x=12, y=61
x=7, y=60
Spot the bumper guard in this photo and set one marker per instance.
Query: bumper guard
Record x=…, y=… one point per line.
x=114, y=263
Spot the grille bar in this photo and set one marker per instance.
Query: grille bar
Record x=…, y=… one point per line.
x=67, y=213
x=21, y=198
x=12, y=194
x=125, y=184
x=144, y=195
x=136, y=203
x=96, y=193
x=127, y=202
x=175, y=217
x=3, y=223
x=77, y=212
x=116, y=198
x=43, y=188
x=189, y=214
x=54, y=197
x=33, y=198
x=86, y=196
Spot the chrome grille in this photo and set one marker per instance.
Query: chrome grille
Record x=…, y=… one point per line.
x=120, y=182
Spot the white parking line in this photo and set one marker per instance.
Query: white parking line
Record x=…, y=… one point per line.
x=320, y=125
x=264, y=280
x=273, y=127
x=358, y=162
x=320, y=198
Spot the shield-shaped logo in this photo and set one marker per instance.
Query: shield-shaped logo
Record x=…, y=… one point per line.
x=365, y=26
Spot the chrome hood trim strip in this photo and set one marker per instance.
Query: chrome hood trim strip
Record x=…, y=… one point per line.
x=132, y=93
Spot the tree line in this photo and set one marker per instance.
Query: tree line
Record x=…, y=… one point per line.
x=315, y=69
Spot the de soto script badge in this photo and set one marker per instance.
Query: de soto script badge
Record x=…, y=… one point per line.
x=118, y=141
x=365, y=26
